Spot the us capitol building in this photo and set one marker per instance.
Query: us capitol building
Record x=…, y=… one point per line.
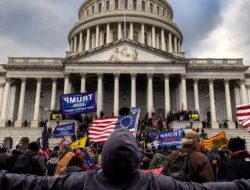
x=138, y=62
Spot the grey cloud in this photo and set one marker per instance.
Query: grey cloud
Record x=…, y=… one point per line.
x=196, y=19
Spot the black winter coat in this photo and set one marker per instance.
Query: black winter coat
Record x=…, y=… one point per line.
x=238, y=167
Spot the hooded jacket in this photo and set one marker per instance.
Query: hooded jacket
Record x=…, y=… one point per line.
x=120, y=171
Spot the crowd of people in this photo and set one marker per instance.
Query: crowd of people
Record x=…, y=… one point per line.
x=124, y=158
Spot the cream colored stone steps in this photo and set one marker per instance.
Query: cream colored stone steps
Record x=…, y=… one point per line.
x=242, y=133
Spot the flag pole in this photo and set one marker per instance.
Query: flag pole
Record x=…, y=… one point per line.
x=123, y=2
x=124, y=24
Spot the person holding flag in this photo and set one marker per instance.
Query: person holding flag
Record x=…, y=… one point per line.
x=44, y=150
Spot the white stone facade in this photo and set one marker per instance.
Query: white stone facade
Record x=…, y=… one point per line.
x=140, y=66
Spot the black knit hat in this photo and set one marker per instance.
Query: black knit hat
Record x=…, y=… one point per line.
x=34, y=146
x=236, y=144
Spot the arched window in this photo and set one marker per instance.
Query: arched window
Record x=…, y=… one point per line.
x=107, y=6
x=145, y=38
x=105, y=38
x=116, y=4
x=158, y=10
x=163, y=12
x=100, y=7
x=93, y=9
x=143, y=5
x=135, y=36
x=151, y=7
x=134, y=4
x=115, y=36
x=87, y=12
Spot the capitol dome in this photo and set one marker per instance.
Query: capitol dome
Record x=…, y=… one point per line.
x=147, y=22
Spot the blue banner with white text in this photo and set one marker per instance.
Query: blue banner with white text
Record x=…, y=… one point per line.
x=72, y=104
x=65, y=130
x=171, y=138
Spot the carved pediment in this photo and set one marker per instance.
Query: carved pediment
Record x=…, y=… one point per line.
x=124, y=54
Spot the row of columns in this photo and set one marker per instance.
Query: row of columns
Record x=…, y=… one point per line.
x=19, y=120
x=174, y=44
x=34, y=123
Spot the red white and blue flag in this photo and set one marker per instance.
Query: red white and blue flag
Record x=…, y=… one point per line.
x=243, y=115
x=123, y=3
x=102, y=127
x=44, y=150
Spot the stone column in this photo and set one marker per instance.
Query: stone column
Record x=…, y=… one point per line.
x=142, y=34
x=175, y=45
x=248, y=93
x=231, y=124
x=72, y=45
x=108, y=34
x=87, y=40
x=131, y=31
x=243, y=92
x=97, y=36
x=184, y=91
x=83, y=82
x=163, y=45
x=153, y=36
x=116, y=94
x=179, y=45
x=119, y=31
x=214, y=123
x=150, y=94
x=35, y=121
x=66, y=83
x=19, y=121
x=167, y=94
x=75, y=43
x=170, y=47
x=196, y=96
x=133, y=90
x=1, y=95
x=80, y=47
x=53, y=94
x=99, y=94
x=5, y=102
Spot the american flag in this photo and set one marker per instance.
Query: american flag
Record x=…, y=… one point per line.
x=102, y=127
x=123, y=3
x=44, y=150
x=243, y=115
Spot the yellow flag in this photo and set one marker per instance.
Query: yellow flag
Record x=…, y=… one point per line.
x=79, y=143
x=219, y=141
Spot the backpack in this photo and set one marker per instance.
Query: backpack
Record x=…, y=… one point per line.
x=26, y=164
x=181, y=168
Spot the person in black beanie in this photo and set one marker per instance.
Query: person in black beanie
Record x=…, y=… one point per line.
x=238, y=167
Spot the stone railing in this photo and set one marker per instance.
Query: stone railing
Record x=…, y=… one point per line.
x=216, y=61
x=20, y=60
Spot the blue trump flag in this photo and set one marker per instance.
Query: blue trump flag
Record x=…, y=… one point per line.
x=72, y=104
x=171, y=138
x=65, y=130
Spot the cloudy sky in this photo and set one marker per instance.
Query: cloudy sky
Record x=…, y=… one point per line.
x=211, y=28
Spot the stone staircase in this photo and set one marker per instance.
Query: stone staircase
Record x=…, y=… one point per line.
x=242, y=133
x=17, y=133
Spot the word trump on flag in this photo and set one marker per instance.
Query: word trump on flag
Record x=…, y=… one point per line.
x=78, y=103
